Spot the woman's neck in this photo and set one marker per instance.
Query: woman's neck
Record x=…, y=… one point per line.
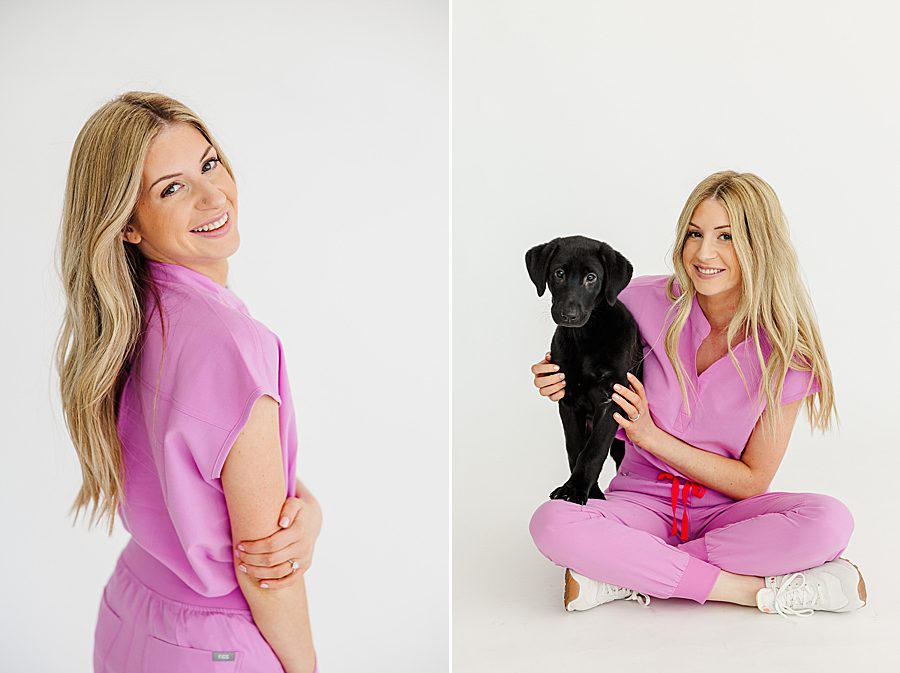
x=719, y=310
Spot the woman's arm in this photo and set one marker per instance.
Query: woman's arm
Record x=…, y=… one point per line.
x=269, y=558
x=738, y=479
x=253, y=482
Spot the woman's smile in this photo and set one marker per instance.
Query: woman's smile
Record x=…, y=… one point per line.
x=215, y=228
x=707, y=271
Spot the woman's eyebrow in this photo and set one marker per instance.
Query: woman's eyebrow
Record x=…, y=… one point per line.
x=724, y=226
x=166, y=177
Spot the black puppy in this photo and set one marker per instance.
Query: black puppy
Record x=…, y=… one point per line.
x=595, y=344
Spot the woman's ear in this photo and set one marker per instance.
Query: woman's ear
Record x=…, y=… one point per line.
x=131, y=235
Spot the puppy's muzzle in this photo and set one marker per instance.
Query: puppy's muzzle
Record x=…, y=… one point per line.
x=570, y=316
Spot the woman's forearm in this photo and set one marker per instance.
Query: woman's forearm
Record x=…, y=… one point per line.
x=282, y=616
x=726, y=475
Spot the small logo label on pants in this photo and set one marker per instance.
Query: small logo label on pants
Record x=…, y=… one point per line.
x=223, y=656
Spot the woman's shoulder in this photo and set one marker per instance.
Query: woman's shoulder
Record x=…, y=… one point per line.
x=197, y=320
x=651, y=283
x=212, y=358
x=645, y=292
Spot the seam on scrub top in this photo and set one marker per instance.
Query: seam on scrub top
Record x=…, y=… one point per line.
x=190, y=606
x=249, y=321
x=179, y=406
x=229, y=440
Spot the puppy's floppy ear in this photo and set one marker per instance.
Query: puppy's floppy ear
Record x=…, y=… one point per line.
x=618, y=272
x=537, y=260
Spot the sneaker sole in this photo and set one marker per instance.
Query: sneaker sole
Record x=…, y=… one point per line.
x=572, y=589
x=861, y=587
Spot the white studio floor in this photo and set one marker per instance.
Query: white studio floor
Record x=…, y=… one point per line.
x=508, y=615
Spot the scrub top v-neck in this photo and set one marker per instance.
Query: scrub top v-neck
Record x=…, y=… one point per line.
x=722, y=412
x=179, y=414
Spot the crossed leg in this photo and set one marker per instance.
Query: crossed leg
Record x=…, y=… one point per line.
x=769, y=534
x=622, y=540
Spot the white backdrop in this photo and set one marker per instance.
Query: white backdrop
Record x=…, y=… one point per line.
x=334, y=115
x=598, y=119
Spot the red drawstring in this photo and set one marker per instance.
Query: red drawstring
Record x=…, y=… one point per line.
x=687, y=488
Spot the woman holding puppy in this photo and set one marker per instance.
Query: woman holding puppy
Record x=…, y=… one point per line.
x=731, y=352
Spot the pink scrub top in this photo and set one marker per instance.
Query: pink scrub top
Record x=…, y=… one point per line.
x=723, y=415
x=218, y=361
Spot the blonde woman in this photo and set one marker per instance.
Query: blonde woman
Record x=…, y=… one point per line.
x=689, y=513
x=178, y=404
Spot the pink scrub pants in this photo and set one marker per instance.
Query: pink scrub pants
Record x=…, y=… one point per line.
x=140, y=631
x=634, y=539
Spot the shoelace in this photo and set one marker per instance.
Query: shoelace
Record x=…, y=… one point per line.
x=689, y=487
x=799, y=600
x=640, y=598
x=607, y=589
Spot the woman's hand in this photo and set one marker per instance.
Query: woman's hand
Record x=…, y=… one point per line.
x=268, y=559
x=633, y=401
x=548, y=379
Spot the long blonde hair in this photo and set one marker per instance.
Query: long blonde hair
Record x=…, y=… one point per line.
x=106, y=281
x=773, y=295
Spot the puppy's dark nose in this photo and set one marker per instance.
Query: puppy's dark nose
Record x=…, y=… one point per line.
x=570, y=315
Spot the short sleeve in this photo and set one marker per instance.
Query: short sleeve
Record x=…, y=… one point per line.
x=795, y=384
x=217, y=382
x=631, y=297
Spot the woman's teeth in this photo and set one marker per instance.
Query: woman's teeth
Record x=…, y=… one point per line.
x=215, y=225
x=708, y=272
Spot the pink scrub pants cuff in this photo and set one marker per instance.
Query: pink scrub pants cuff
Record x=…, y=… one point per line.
x=697, y=581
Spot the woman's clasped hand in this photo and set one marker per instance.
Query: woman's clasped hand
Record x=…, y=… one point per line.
x=269, y=559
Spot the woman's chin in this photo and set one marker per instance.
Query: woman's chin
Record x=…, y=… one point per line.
x=714, y=289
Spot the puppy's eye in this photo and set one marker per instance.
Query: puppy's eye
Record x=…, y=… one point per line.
x=590, y=278
x=559, y=273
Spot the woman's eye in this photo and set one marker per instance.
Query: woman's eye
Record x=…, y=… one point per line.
x=166, y=191
x=692, y=234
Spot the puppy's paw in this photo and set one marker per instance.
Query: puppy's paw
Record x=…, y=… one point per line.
x=596, y=493
x=571, y=493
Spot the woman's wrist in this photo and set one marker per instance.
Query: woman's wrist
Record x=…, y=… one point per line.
x=721, y=473
x=655, y=442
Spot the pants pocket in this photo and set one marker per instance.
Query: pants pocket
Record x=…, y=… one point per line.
x=164, y=657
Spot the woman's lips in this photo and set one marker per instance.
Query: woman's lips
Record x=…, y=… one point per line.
x=707, y=275
x=221, y=231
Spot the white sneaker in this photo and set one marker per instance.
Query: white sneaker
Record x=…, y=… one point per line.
x=836, y=586
x=583, y=593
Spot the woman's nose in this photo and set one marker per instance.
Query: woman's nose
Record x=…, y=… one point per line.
x=707, y=250
x=212, y=197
